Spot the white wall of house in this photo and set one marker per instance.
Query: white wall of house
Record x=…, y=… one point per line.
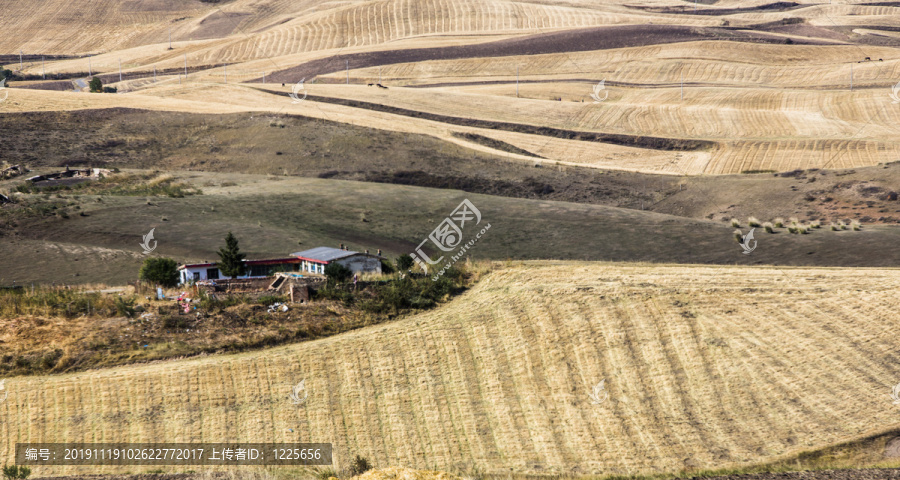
x=361, y=263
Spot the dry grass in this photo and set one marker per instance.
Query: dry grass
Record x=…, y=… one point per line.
x=726, y=366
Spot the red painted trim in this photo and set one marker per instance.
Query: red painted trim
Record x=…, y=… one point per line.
x=323, y=262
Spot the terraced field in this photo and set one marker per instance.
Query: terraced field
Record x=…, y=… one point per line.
x=702, y=367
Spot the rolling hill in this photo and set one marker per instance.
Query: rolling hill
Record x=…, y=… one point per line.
x=702, y=367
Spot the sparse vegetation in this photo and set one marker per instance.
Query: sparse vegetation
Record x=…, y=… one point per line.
x=359, y=466
x=779, y=223
x=769, y=227
x=130, y=185
x=735, y=223
x=753, y=222
x=15, y=472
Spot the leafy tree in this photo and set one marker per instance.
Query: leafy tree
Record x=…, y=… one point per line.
x=231, y=260
x=110, y=89
x=5, y=74
x=162, y=271
x=14, y=472
x=337, y=273
x=96, y=85
x=404, y=262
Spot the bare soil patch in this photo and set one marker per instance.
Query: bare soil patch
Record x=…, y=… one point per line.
x=587, y=39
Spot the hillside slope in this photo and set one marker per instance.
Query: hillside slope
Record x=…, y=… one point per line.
x=704, y=366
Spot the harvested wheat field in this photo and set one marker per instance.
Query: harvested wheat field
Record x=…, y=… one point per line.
x=705, y=367
x=765, y=85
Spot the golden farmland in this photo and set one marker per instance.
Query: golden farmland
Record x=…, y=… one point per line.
x=766, y=104
x=584, y=130
x=720, y=366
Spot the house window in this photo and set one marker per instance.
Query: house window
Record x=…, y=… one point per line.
x=212, y=273
x=259, y=270
x=196, y=276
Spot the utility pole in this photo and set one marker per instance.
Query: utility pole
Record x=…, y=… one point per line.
x=379, y=74
x=43, y=70
x=120, y=70
x=185, y=67
x=170, y=38
x=264, y=77
x=20, y=61
x=90, y=72
x=154, y=74
x=348, y=71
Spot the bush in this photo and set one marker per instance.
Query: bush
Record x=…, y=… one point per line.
x=815, y=224
x=735, y=223
x=779, y=222
x=125, y=307
x=110, y=89
x=404, y=262
x=855, y=225
x=769, y=227
x=360, y=466
x=96, y=85
x=160, y=270
x=14, y=472
x=834, y=227
x=739, y=236
x=337, y=273
x=386, y=267
x=753, y=222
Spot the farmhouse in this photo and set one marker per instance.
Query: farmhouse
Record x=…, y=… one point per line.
x=315, y=260
x=308, y=261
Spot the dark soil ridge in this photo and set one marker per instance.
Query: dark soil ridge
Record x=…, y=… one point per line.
x=641, y=141
x=65, y=82
x=690, y=9
x=579, y=40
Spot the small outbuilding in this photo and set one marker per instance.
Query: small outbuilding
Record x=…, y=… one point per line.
x=316, y=259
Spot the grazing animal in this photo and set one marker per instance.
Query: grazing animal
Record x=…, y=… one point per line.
x=381, y=86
